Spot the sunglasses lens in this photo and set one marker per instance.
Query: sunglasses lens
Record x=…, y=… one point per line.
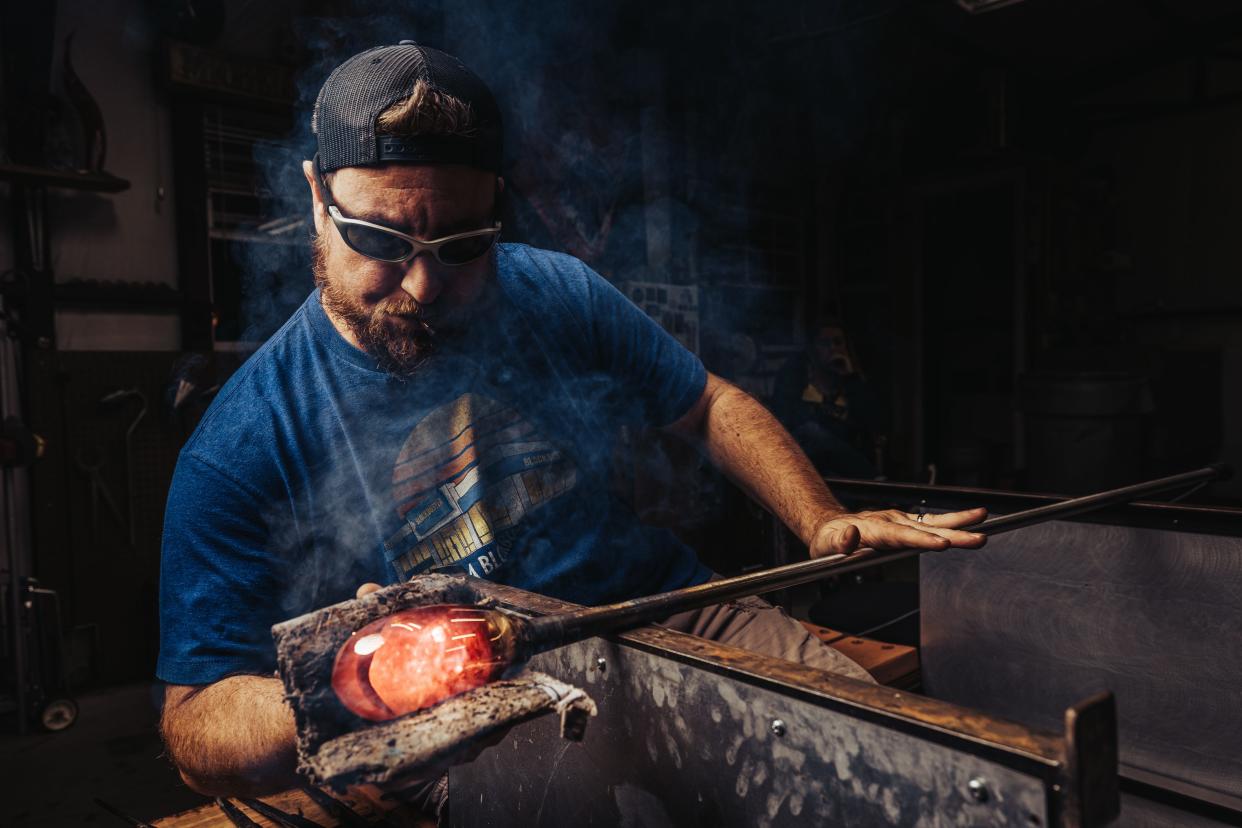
x=465, y=250
x=375, y=243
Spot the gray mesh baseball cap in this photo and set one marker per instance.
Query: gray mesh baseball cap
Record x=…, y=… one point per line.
x=362, y=87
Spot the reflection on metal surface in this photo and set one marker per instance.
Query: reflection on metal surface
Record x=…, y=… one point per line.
x=678, y=745
x=1050, y=613
x=685, y=737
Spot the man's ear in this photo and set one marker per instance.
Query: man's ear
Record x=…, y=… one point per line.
x=317, y=205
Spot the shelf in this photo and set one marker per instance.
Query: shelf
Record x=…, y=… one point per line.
x=292, y=240
x=99, y=182
x=82, y=294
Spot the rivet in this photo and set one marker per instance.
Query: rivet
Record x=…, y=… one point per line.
x=601, y=664
x=978, y=789
x=777, y=727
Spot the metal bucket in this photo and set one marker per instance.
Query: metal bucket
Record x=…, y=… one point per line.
x=1084, y=431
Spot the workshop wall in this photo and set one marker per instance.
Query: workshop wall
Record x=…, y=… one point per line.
x=781, y=162
x=1050, y=193
x=6, y=221
x=128, y=236
x=1177, y=261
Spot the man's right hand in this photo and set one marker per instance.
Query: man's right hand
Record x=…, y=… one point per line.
x=234, y=737
x=237, y=737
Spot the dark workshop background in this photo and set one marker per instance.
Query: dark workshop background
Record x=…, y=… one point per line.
x=1026, y=219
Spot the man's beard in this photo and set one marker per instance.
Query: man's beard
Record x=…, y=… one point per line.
x=396, y=333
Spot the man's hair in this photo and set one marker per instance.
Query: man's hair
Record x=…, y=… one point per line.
x=427, y=111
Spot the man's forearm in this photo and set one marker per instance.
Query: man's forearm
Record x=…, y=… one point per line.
x=755, y=451
x=232, y=738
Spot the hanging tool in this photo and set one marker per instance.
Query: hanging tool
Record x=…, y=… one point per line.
x=112, y=400
x=92, y=463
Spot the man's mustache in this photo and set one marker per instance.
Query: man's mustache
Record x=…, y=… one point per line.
x=411, y=311
x=402, y=308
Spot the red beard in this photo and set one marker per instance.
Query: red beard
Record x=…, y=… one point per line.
x=398, y=334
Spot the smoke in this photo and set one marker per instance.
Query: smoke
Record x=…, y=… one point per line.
x=650, y=140
x=658, y=142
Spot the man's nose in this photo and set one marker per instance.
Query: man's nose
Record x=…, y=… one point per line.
x=423, y=281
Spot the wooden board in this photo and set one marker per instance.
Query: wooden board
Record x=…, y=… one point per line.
x=890, y=664
x=294, y=802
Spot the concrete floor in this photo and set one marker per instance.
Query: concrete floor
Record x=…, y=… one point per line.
x=112, y=751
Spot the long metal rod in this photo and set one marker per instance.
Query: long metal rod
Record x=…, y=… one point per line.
x=1099, y=500
x=552, y=630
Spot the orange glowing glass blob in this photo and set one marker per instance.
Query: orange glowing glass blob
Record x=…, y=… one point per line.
x=417, y=657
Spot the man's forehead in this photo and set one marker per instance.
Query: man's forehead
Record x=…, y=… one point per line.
x=397, y=190
x=435, y=180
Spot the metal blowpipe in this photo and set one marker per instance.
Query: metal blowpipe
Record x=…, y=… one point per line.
x=414, y=658
x=554, y=630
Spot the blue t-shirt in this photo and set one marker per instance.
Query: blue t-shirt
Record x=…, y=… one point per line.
x=313, y=472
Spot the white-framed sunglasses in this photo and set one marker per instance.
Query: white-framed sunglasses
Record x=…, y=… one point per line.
x=375, y=241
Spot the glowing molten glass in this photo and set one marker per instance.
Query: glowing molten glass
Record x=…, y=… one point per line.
x=417, y=657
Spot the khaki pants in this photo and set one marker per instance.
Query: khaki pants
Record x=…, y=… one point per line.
x=754, y=624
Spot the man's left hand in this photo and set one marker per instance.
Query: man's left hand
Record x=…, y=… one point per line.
x=892, y=529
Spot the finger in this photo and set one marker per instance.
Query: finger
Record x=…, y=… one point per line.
x=835, y=540
x=366, y=589
x=955, y=520
x=969, y=540
x=957, y=537
x=894, y=535
x=861, y=554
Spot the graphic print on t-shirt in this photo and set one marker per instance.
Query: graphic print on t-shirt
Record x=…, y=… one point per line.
x=466, y=477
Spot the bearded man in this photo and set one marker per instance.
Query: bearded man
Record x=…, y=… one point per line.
x=443, y=400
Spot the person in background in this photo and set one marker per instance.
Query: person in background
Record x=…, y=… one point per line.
x=827, y=405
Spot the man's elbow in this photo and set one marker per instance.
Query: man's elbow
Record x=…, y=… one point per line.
x=195, y=777
x=200, y=785
x=215, y=762
x=256, y=780
x=692, y=426
x=177, y=749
